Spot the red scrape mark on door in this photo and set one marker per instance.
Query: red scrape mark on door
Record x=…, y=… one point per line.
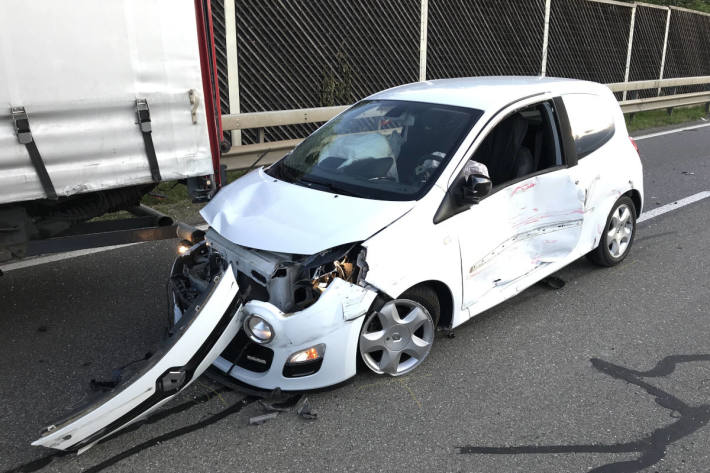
x=523, y=188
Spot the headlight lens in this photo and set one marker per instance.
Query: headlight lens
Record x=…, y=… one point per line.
x=258, y=329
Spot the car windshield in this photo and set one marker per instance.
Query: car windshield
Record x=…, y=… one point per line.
x=380, y=149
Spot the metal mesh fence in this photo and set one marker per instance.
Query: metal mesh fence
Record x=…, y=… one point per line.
x=647, y=47
x=480, y=37
x=688, y=50
x=311, y=53
x=220, y=45
x=588, y=40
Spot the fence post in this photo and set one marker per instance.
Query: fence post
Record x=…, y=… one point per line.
x=665, y=48
x=545, y=38
x=628, y=52
x=230, y=33
x=423, y=27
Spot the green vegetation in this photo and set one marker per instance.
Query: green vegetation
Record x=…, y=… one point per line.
x=171, y=198
x=658, y=118
x=337, y=84
x=700, y=5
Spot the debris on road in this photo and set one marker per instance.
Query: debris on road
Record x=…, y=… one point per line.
x=297, y=404
x=303, y=409
x=258, y=420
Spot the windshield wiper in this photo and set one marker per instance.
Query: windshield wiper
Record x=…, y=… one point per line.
x=326, y=185
x=278, y=170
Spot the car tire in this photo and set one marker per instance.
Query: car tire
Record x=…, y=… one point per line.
x=396, y=338
x=427, y=297
x=618, y=235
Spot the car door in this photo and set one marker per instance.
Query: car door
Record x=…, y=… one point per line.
x=531, y=221
x=196, y=341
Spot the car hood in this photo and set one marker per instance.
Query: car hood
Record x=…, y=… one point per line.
x=258, y=211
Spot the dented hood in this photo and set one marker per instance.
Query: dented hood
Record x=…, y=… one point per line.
x=258, y=211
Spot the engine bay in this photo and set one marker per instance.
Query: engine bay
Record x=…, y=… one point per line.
x=288, y=281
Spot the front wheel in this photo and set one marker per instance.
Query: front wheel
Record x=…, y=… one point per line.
x=397, y=338
x=618, y=236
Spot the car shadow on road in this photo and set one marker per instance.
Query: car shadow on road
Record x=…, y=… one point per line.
x=651, y=448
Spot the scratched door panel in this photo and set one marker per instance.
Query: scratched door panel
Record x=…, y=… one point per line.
x=533, y=223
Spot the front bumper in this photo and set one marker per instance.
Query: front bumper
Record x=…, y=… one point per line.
x=334, y=320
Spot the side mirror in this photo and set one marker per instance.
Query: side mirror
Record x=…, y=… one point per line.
x=475, y=188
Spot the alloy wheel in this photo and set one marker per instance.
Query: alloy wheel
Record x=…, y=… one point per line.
x=397, y=338
x=621, y=227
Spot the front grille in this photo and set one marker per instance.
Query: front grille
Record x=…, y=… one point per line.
x=248, y=355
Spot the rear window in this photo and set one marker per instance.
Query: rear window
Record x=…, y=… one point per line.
x=591, y=122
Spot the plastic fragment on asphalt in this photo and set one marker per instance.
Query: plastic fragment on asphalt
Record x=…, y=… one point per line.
x=301, y=406
x=258, y=420
x=303, y=409
x=272, y=407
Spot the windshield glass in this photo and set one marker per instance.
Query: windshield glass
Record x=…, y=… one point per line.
x=384, y=149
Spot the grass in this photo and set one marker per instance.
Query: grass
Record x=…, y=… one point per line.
x=659, y=118
x=698, y=5
x=171, y=198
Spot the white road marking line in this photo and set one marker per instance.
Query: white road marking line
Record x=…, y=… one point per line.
x=673, y=206
x=668, y=132
x=73, y=254
x=58, y=257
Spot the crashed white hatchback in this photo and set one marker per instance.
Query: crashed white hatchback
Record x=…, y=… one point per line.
x=415, y=209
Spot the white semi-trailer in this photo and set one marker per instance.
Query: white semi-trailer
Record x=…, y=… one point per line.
x=100, y=101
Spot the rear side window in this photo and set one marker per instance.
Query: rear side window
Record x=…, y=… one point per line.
x=590, y=120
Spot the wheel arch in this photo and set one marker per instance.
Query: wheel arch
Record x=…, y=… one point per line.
x=635, y=196
x=446, y=300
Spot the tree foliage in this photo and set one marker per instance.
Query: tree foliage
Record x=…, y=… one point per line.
x=700, y=5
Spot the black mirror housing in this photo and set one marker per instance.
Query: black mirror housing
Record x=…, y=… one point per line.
x=475, y=188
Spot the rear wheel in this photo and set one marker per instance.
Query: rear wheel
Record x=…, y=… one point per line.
x=398, y=337
x=618, y=235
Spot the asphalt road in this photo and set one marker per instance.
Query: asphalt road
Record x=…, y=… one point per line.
x=610, y=373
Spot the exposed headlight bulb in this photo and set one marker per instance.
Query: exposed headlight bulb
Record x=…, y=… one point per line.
x=183, y=247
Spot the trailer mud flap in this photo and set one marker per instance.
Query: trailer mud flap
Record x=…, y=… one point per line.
x=197, y=340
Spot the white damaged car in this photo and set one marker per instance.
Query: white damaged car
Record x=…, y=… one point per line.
x=415, y=209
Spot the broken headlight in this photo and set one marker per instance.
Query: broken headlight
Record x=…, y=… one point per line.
x=346, y=262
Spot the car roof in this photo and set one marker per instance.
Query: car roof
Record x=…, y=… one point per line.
x=486, y=93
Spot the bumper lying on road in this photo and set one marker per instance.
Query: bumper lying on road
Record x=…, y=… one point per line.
x=196, y=341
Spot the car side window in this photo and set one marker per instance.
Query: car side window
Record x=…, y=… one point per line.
x=524, y=143
x=591, y=122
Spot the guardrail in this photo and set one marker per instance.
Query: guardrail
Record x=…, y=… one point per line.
x=244, y=156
